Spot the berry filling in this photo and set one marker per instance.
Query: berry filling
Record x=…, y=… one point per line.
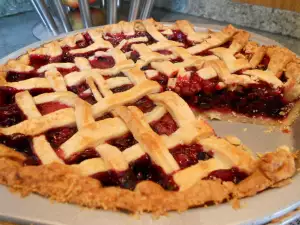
x=10, y=115
x=82, y=90
x=234, y=175
x=115, y=75
x=188, y=155
x=58, y=136
x=77, y=158
x=253, y=100
x=145, y=104
x=88, y=38
x=123, y=142
x=103, y=62
x=115, y=39
x=37, y=61
x=165, y=125
x=164, y=52
x=263, y=65
x=22, y=144
x=65, y=71
x=134, y=55
x=122, y=88
x=68, y=57
x=49, y=107
x=179, y=36
x=105, y=116
x=12, y=76
x=176, y=60
x=7, y=95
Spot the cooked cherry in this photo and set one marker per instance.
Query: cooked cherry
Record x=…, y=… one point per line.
x=58, y=136
x=164, y=52
x=10, y=115
x=188, y=155
x=134, y=55
x=145, y=104
x=115, y=75
x=88, y=38
x=19, y=76
x=179, y=36
x=38, y=91
x=105, y=116
x=40, y=60
x=49, y=107
x=103, y=62
x=162, y=79
x=263, y=65
x=176, y=60
x=65, y=71
x=7, y=95
x=77, y=158
x=79, y=88
x=165, y=125
x=122, y=88
x=123, y=142
x=145, y=169
x=234, y=175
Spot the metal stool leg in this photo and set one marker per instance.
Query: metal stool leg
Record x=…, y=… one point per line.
x=62, y=15
x=85, y=13
x=134, y=9
x=41, y=8
x=112, y=11
x=146, y=11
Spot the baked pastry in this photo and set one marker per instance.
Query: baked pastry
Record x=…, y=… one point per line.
x=89, y=120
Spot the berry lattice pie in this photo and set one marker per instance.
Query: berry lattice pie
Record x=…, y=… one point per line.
x=96, y=119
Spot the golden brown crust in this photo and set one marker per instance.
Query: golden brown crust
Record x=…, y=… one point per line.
x=64, y=184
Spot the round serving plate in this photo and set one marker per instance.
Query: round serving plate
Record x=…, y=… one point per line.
x=258, y=209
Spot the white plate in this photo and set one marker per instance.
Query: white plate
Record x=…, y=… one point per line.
x=256, y=210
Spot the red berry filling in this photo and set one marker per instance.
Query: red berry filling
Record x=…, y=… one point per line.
x=49, y=107
x=58, y=136
x=234, y=175
x=122, y=88
x=65, y=71
x=134, y=55
x=164, y=52
x=145, y=104
x=80, y=90
x=105, y=116
x=77, y=158
x=179, y=36
x=115, y=39
x=123, y=142
x=103, y=62
x=176, y=60
x=263, y=65
x=22, y=144
x=12, y=76
x=165, y=125
x=40, y=60
x=115, y=75
x=10, y=115
x=253, y=100
x=188, y=155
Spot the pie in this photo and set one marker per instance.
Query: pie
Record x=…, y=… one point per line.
x=105, y=118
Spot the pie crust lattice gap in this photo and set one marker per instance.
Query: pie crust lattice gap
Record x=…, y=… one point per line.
x=97, y=107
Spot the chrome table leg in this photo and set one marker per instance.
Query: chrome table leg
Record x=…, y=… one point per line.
x=62, y=15
x=42, y=9
x=146, y=10
x=111, y=11
x=85, y=13
x=134, y=9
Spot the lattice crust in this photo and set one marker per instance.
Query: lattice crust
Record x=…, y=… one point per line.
x=165, y=54
x=102, y=89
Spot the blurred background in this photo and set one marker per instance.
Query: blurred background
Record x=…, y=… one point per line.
x=23, y=22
